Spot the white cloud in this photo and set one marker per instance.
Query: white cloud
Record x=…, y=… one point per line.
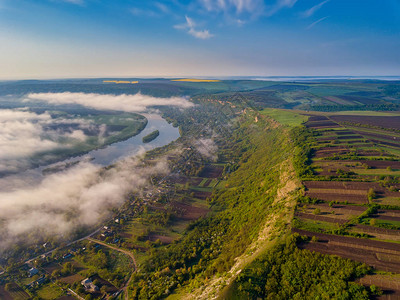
x=309, y=12
x=128, y=103
x=280, y=4
x=238, y=6
x=316, y=22
x=162, y=7
x=207, y=148
x=190, y=26
x=63, y=202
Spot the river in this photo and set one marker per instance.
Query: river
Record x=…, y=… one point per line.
x=103, y=156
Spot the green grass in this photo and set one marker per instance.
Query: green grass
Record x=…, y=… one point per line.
x=285, y=117
x=201, y=189
x=366, y=130
x=394, y=172
x=49, y=292
x=312, y=225
x=394, y=151
x=201, y=184
x=395, y=201
x=365, y=113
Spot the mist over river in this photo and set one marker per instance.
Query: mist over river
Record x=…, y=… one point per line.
x=102, y=157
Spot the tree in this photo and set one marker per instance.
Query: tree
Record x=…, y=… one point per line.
x=371, y=194
x=103, y=289
x=8, y=287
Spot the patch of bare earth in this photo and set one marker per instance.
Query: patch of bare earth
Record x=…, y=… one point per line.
x=281, y=213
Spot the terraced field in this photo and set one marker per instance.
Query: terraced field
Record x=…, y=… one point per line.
x=351, y=206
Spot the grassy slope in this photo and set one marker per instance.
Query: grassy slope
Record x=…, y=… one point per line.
x=274, y=221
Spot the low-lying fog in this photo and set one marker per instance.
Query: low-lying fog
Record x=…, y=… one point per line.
x=80, y=195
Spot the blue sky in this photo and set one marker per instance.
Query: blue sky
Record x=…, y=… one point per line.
x=96, y=38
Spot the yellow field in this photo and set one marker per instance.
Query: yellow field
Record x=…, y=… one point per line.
x=120, y=81
x=197, y=80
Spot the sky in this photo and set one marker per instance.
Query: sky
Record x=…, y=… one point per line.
x=181, y=38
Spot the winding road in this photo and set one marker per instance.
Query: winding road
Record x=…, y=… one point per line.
x=130, y=254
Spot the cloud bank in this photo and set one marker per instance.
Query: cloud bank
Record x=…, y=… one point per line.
x=63, y=202
x=128, y=103
x=24, y=134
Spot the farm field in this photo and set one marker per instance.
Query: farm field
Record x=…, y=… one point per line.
x=351, y=202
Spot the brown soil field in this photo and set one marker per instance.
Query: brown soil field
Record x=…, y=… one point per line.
x=386, y=122
x=344, y=132
x=382, y=164
x=125, y=235
x=183, y=180
x=49, y=268
x=390, y=285
x=345, y=185
x=323, y=127
x=386, y=136
x=211, y=171
x=385, y=143
x=201, y=195
x=389, y=213
x=195, y=181
x=189, y=212
x=4, y=295
x=350, y=137
x=388, y=218
x=330, y=151
x=71, y=279
x=355, y=199
x=110, y=287
x=374, y=164
x=322, y=218
x=313, y=118
x=164, y=239
x=321, y=124
x=362, y=250
x=370, y=153
x=372, y=245
x=179, y=179
x=378, y=230
x=344, y=192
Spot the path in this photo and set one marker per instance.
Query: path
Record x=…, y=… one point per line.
x=130, y=254
x=69, y=244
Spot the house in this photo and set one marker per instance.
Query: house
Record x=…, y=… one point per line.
x=89, y=285
x=32, y=272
